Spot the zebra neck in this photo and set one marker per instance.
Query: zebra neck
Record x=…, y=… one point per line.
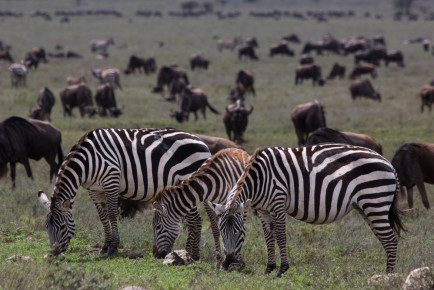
x=69, y=179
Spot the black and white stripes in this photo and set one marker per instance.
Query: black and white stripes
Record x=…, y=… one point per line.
x=18, y=74
x=111, y=76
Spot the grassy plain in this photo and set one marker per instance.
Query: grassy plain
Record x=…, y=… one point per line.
x=342, y=255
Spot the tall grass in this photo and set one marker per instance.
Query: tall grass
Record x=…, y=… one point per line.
x=340, y=255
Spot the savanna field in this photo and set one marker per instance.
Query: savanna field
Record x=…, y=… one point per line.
x=341, y=255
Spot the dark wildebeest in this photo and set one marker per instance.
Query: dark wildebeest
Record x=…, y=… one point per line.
x=247, y=80
x=363, y=88
x=338, y=70
x=373, y=56
x=149, y=65
x=215, y=144
x=247, y=51
x=307, y=71
x=198, y=61
x=39, y=53
x=77, y=96
x=45, y=104
x=306, y=59
x=414, y=163
x=72, y=54
x=167, y=74
x=105, y=100
x=190, y=100
x=363, y=68
x=292, y=38
x=307, y=118
x=427, y=97
x=394, y=56
x=281, y=48
x=252, y=41
x=236, y=120
x=313, y=45
x=21, y=139
x=328, y=135
x=354, y=45
x=5, y=54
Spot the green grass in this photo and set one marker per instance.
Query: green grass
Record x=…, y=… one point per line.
x=342, y=255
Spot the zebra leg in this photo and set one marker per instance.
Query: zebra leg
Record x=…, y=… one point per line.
x=215, y=232
x=383, y=232
x=194, y=225
x=100, y=203
x=279, y=222
x=113, y=212
x=267, y=225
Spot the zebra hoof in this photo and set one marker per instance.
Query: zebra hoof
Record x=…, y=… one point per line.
x=282, y=270
x=270, y=268
x=103, y=250
x=112, y=251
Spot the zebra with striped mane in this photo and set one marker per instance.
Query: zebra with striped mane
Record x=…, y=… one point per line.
x=210, y=183
x=118, y=163
x=110, y=75
x=101, y=45
x=18, y=74
x=315, y=184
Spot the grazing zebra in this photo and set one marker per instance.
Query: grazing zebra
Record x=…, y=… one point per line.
x=315, y=184
x=101, y=45
x=111, y=163
x=110, y=75
x=210, y=183
x=18, y=73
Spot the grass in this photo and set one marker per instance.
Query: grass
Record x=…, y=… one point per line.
x=342, y=255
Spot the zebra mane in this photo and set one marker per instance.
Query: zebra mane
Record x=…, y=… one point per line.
x=63, y=166
x=240, y=182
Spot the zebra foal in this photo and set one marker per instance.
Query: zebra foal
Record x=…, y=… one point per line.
x=18, y=74
x=315, y=184
x=210, y=183
x=110, y=75
x=118, y=163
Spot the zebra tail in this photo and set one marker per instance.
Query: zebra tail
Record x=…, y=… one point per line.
x=396, y=213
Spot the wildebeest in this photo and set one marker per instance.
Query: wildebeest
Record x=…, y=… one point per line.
x=237, y=92
x=307, y=118
x=149, y=65
x=190, y=100
x=72, y=54
x=373, y=56
x=338, y=70
x=215, y=144
x=110, y=75
x=252, y=41
x=5, y=54
x=236, y=120
x=313, y=45
x=307, y=71
x=328, y=135
x=77, y=96
x=45, y=103
x=70, y=80
x=363, y=88
x=33, y=57
x=306, y=59
x=247, y=80
x=363, y=68
x=198, y=61
x=21, y=139
x=105, y=100
x=427, y=97
x=394, y=56
x=247, y=51
x=414, y=163
x=354, y=45
x=281, y=48
x=101, y=45
x=291, y=38
x=167, y=74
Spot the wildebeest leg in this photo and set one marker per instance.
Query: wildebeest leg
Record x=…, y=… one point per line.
x=51, y=160
x=253, y=91
x=410, y=196
x=195, y=116
x=422, y=191
x=13, y=174
x=100, y=203
x=26, y=164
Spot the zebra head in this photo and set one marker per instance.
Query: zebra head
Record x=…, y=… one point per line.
x=232, y=229
x=59, y=223
x=166, y=229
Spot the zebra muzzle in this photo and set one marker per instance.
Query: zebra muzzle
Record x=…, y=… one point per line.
x=229, y=260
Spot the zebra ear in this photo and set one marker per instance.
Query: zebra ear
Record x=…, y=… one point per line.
x=244, y=207
x=158, y=207
x=44, y=200
x=218, y=208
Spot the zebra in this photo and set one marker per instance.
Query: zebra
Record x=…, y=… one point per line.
x=209, y=183
x=18, y=73
x=315, y=184
x=118, y=163
x=110, y=75
x=101, y=45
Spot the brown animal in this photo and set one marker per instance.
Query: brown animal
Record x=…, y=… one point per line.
x=363, y=68
x=307, y=71
x=247, y=51
x=21, y=140
x=338, y=70
x=306, y=59
x=167, y=74
x=72, y=54
x=252, y=41
x=414, y=163
x=363, y=88
x=236, y=120
x=372, y=56
x=247, y=80
x=5, y=54
x=148, y=65
x=238, y=92
x=427, y=97
x=394, y=56
x=198, y=61
x=313, y=45
x=228, y=44
x=77, y=96
x=292, y=38
x=328, y=135
x=75, y=80
x=45, y=103
x=215, y=144
x=105, y=100
x=281, y=48
x=307, y=118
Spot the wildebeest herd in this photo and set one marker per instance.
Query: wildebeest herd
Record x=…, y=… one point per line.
x=175, y=170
